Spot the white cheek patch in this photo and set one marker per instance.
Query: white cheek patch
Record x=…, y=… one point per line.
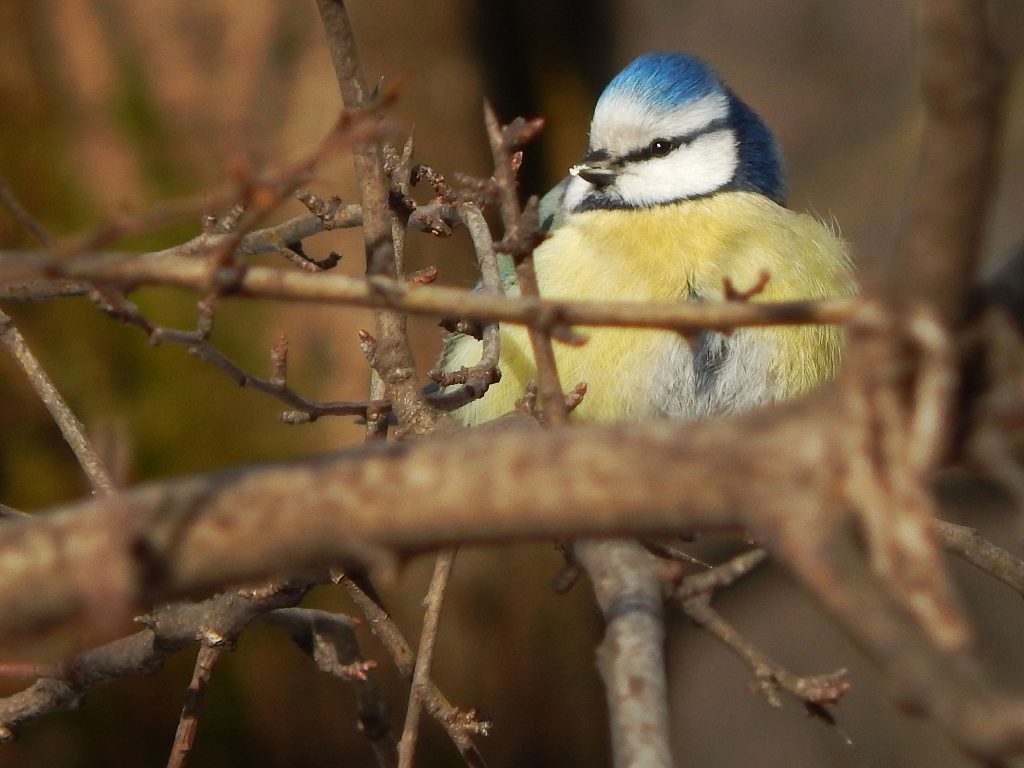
x=623, y=123
x=699, y=168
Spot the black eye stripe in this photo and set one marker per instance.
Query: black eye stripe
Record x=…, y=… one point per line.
x=647, y=153
x=595, y=155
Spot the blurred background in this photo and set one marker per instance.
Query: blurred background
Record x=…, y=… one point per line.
x=109, y=106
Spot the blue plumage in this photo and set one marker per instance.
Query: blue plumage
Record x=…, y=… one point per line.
x=760, y=167
x=665, y=80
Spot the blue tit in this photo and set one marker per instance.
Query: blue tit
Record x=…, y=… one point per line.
x=681, y=188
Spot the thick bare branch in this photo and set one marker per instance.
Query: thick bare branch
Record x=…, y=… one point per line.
x=656, y=479
x=631, y=657
x=626, y=478
x=963, y=83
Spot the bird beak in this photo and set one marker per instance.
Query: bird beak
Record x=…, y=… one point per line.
x=599, y=172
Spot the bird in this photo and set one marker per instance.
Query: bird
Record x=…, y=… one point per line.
x=681, y=189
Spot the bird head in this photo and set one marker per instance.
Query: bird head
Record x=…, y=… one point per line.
x=668, y=129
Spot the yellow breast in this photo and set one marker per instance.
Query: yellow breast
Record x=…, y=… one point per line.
x=683, y=251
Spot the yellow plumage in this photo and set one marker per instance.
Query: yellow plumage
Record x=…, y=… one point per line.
x=680, y=251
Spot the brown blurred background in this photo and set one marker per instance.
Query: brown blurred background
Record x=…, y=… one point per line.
x=113, y=105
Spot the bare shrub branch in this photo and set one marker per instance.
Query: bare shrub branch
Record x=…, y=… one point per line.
x=631, y=657
x=70, y=427
x=188, y=724
x=425, y=655
x=377, y=291
x=460, y=725
x=694, y=595
x=963, y=83
x=838, y=485
x=216, y=621
x=330, y=640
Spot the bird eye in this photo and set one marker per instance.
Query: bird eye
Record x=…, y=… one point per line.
x=660, y=147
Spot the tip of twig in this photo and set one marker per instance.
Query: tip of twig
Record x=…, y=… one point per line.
x=521, y=131
x=569, y=336
x=294, y=418
x=566, y=578
x=387, y=93
x=527, y=404
x=238, y=167
x=734, y=294
x=472, y=328
x=279, y=360
x=574, y=397
x=410, y=142
x=424, y=276
x=820, y=712
x=490, y=117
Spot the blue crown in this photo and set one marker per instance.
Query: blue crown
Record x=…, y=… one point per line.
x=666, y=79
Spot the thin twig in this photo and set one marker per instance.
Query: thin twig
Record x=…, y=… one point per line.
x=417, y=299
x=305, y=410
x=383, y=627
x=260, y=191
x=769, y=677
x=661, y=549
x=460, y=725
x=260, y=241
x=330, y=640
x=522, y=238
x=197, y=341
x=981, y=553
x=188, y=724
x=12, y=340
x=23, y=217
x=475, y=381
x=720, y=576
x=694, y=596
x=425, y=655
x=70, y=427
